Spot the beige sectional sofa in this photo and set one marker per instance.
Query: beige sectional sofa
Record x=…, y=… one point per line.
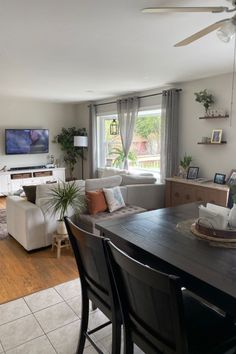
x=140, y=193
x=32, y=226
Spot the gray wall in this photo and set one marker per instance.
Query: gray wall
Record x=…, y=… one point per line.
x=28, y=113
x=209, y=158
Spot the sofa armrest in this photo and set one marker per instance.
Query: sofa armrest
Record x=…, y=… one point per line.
x=148, y=196
x=26, y=223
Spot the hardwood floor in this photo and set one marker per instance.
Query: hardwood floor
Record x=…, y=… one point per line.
x=23, y=273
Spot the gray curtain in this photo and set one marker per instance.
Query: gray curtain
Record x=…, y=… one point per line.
x=127, y=110
x=169, y=133
x=92, y=151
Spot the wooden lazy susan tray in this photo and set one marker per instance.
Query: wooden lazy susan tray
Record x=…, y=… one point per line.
x=220, y=236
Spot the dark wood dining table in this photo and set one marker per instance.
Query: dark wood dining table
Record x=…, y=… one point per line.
x=153, y=238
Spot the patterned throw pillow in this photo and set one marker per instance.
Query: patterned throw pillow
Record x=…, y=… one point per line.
x=114, y=198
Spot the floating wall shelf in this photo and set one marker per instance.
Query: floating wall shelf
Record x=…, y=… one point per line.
x=214, y=117
x=222, y=142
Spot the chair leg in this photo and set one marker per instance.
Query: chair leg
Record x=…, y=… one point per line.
x=93, y=306
x=116, y=338
x=83, y=325
x=128, y=343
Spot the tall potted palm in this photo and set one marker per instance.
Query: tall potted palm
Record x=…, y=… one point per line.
x=63, y=198
x=71, y=153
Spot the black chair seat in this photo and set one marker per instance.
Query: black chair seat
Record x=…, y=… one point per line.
x=208, y=329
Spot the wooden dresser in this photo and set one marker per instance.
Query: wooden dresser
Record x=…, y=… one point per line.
x=182, y=191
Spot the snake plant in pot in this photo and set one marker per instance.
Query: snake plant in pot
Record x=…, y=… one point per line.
x=65, y=199
x=184, y=165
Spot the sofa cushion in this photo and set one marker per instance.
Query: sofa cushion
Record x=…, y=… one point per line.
x=30, y=193
x=114, y=198
x=42, y=190
x=100, y=183
x=110, y=171
x=87, y=222
x=133, y=179
x=96, y=202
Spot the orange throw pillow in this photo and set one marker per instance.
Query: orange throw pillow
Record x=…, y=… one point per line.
x=96, y=202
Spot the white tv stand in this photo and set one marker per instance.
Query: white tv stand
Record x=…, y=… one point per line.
x=11, y=181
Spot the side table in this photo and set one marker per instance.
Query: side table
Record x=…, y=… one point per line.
x=60, y=241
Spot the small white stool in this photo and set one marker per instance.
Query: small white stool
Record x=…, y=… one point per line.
x=60, y=241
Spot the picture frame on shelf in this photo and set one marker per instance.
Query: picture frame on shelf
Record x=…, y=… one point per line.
x=231, y=180
x=219, y=178
x=192, y=172
x=216, y=136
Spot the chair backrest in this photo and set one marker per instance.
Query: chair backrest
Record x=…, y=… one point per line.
x=151, y=303
x=91, y=260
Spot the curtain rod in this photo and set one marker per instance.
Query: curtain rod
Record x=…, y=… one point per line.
x=151, y=95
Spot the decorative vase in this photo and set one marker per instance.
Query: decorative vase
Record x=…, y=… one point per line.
x=61, y=227
x=207, y=112
x=183, y=172
x=232, y=217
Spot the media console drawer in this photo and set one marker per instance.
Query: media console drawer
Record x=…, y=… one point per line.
x=21, y=175
x=42, y=174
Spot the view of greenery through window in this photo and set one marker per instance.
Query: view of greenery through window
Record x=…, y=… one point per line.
x=145, y=149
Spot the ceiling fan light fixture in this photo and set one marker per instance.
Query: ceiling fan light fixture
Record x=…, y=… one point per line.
x=227, y=31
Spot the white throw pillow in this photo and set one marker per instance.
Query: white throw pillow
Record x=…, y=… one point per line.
x=114, y=198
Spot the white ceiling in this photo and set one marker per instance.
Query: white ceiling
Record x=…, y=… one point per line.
x=77, y=50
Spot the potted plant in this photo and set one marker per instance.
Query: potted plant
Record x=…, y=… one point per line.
x=184, y=165
x=205, y=98
x=120, y=157
x=71, y=153
x=61, y=198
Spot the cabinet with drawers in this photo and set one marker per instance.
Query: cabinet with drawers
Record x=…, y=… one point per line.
x=11, y=181
x=182, y=191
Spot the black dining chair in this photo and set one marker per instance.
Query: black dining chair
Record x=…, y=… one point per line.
x=96, y=285
x=160, y=318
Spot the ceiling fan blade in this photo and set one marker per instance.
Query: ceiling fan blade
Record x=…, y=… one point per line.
x=215, y=9
x=201, y=33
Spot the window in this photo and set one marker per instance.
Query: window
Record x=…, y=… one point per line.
x=144, y=154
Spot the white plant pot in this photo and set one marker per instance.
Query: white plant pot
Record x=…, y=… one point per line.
x=61, y=227
x=232, y=217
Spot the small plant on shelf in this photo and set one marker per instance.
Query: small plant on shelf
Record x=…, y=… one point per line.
x=184, y=165
x=205, y=98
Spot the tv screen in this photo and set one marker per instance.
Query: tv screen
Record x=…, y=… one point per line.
x=26, y=141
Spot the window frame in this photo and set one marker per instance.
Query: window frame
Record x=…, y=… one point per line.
x=101, y=148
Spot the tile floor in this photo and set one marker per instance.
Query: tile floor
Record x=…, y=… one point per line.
x=48, y=322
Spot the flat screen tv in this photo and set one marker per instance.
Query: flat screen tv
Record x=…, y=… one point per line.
x=26, y=141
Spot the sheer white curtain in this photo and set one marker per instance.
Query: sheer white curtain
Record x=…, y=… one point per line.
x=92, y=151
x=127, y=110
x=169, y=133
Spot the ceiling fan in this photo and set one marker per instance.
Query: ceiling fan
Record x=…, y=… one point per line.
x=226, y=28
